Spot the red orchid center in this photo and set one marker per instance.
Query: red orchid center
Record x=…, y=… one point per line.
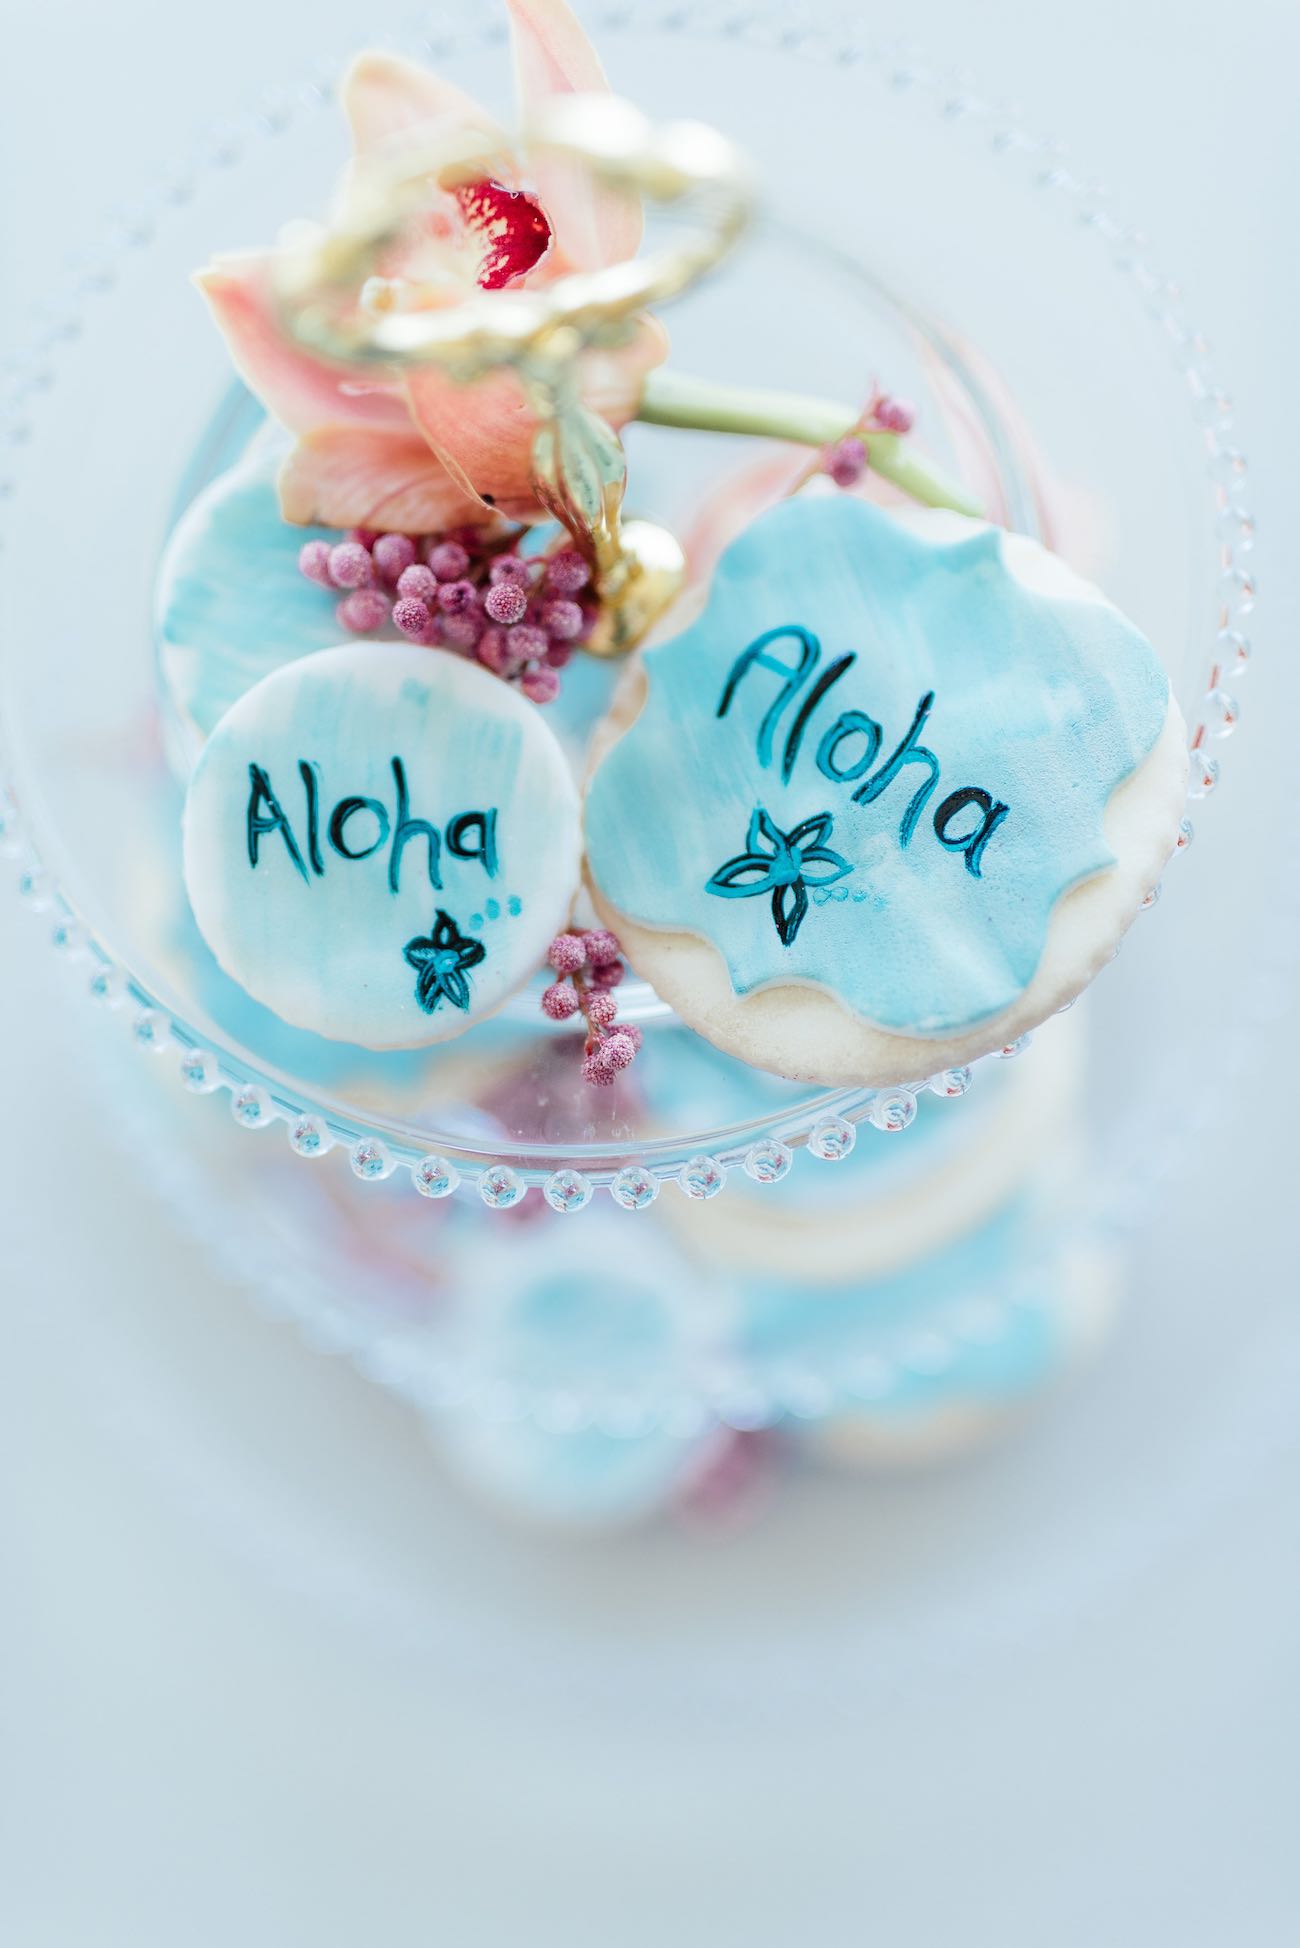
x=511, y=228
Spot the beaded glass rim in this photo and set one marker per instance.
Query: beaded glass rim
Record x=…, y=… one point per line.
x=827, y=1124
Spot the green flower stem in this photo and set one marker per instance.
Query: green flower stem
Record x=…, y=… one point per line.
x=675, y=399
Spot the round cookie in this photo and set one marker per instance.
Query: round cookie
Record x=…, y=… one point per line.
x=890, y=1203
x=932, y=1419
x=570, y=1348
x=379, y=842
x=889, y=801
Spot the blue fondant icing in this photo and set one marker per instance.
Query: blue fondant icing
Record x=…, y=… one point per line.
x=874, y=763
x=231, y=604
x=546, y=1327
x=831, y=1332
x=343, y=823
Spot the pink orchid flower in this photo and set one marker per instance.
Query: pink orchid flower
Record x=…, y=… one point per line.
x=410, y=449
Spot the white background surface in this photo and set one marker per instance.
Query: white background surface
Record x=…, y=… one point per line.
x=205, y=1742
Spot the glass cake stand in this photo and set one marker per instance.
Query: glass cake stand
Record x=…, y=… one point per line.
x=91, y=806
x=990, y=254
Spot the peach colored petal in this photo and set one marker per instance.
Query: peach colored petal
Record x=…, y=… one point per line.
x=484, y=432
x=370, y=477
x=554, y=57
x=297, y=389
x=385, y=97
x=738, y=498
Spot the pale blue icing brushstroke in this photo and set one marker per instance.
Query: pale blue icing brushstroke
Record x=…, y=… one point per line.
x=1046, y=704
x=231, y=604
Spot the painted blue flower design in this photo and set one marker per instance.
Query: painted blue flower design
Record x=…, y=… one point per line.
x=792, y=862
x=441, y=960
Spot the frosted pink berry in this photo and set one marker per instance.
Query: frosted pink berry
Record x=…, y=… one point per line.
x=597, y=1067
x=506, y=603
x=350, y=566
x=364, y=537
x=365, y=609
x=392, y=555
x=559, y=1001
x=457, y=598
x=494, y=651
x=314, y=562
x=412, y=616
x=566, y=953
x=539, y=684
x=448, y=560
x=610, y=975
x=601, y=1009
x=895, y=415
x=846, y=462
x=558, y=654
x=567, y=572
x=602, y=946
x=420, y=583
x=462, y=632
x=633, y=1034
x=510, y=568
x=563, y=618
x=619, y=1049
x=528, y=642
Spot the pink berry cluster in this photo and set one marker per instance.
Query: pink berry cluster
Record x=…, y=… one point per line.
x=846, y=461
x=590, y=966
x=520, y=616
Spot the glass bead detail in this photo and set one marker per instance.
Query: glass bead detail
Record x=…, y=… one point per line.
x=308, y=1137
x=199, y=1071
x=702, y=1177
x=768, y=1161
x=500, y=1187
x=893, y=1110
x=370, y=1160
x=831, y=1139
x=567, y=1190
x=1203, y=776
x=149, y=1031
x=434, y=1177
x=251, y=1106
x=951, y=1082
x=108, y=985
x=1221, y=713
x=634, y=1187
x=34, y=886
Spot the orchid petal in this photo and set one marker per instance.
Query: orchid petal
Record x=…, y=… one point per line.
x=553, y=56
x=297, y=389
x=371, y=477
x=385, y=97
x=484, y=432
x=511, y=228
